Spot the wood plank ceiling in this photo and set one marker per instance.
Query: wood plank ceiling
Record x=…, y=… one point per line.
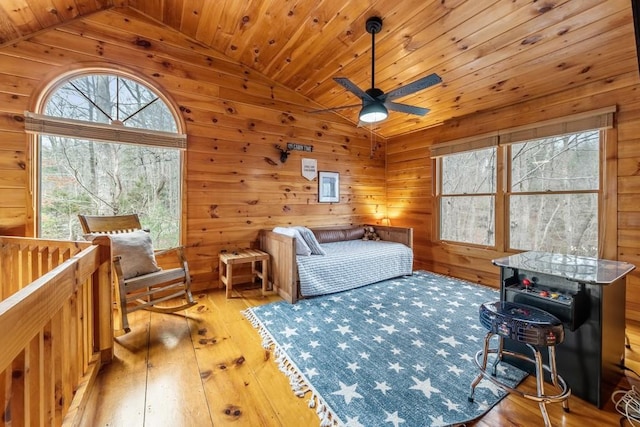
x=489, y=53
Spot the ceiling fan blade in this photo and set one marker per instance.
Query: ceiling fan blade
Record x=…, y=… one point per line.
x=326, y=110
x=346, y=83
x=404, y=108
x=410, y=88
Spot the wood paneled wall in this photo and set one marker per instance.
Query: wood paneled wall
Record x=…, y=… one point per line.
x=234, y=181
x=409, y=178
x=234, y=117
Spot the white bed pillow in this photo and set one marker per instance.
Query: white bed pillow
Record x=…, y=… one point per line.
x=311, y=240
x=301, y=246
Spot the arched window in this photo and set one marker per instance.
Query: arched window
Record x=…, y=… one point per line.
x=108, y=145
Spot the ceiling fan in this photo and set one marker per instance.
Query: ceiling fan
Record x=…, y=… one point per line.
x=375, y=103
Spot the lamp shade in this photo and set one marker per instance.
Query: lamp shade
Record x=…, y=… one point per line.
x=373, y=112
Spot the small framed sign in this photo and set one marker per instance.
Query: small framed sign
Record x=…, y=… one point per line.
x=328, y=187
x=299, y=147
x=309, y=168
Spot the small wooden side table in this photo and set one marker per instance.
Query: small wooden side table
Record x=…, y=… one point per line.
x=243, y=256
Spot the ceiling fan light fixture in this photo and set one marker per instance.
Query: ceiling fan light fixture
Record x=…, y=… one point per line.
x=375, y=103
x=373, y=112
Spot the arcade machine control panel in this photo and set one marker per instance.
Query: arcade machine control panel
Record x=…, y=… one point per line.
x=570, y=304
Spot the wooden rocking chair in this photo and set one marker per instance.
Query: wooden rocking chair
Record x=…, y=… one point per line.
x=143, y=285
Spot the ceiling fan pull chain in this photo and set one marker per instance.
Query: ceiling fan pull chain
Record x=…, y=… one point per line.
x=373, y=142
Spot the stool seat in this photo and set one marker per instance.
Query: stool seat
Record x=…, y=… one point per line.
x=534, y=328
x=522, y=323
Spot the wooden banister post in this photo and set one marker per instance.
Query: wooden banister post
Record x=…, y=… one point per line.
x=103, y=301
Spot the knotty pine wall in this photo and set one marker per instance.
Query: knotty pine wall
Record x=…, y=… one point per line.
x=235, y=182
x=409, y=178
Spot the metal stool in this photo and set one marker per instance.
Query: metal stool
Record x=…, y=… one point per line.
x=533, y=327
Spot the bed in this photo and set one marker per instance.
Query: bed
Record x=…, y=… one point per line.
x=349, y=262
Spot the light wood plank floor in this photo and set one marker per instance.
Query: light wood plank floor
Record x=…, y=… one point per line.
x=207, y=367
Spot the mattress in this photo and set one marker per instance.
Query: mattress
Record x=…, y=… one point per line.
x=351, y=264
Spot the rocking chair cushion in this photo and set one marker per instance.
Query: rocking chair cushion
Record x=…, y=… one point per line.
x=135, y=251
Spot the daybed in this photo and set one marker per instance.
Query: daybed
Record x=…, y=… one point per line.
x=349, y=261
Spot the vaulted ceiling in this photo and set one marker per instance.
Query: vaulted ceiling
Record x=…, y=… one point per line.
x=489, y=53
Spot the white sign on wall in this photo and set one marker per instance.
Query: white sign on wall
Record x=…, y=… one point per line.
x=309, y=168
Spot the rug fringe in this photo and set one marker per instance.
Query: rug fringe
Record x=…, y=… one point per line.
x=327, y=419
x=267, y=339
x=297, y=381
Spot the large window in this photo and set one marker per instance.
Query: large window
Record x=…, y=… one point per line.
x=101, y=175
x=467, y=205
x=553, y=202
x=549, y=200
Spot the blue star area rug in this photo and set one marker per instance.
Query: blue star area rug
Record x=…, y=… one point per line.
x=396, y=353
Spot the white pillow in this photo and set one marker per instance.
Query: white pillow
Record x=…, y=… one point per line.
x=311, y=240
x=135, y=250
x=301, y=246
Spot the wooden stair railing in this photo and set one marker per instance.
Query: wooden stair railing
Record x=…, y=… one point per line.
x=57, y=327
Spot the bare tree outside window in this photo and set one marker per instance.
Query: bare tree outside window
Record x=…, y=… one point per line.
x=109, y=178
x=553, y=205
x=552, y=200
x=467, y=204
